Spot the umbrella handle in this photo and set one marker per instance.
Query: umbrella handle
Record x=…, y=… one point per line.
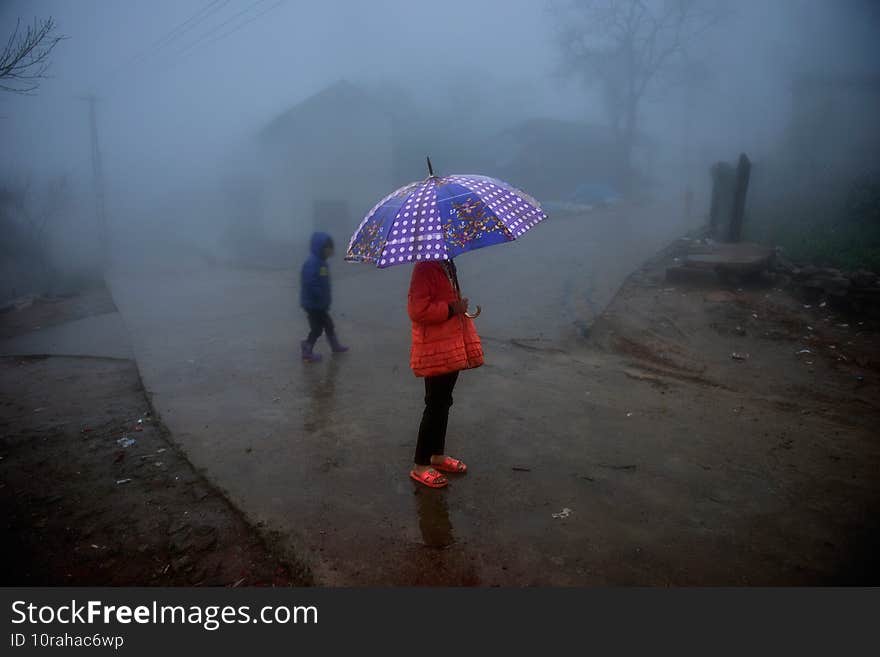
x=476, y=314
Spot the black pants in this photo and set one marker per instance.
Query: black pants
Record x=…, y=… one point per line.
x=319, y=321
x=432, y=430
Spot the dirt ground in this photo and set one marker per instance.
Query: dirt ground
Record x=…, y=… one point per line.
x=798, y=383
x=84, y=506
x=39, y=313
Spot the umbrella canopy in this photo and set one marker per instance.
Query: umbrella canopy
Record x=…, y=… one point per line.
x=440, y=218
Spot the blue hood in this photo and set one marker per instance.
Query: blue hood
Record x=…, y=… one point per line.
x=319, y=241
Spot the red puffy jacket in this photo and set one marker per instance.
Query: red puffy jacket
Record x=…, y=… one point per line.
x=440, y=343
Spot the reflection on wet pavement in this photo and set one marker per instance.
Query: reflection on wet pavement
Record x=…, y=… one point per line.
x=433, y=514
x=319, y=385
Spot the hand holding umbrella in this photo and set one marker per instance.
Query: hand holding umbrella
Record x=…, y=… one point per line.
x=461, y=307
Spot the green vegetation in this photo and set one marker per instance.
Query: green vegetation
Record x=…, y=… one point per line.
x=826, y=229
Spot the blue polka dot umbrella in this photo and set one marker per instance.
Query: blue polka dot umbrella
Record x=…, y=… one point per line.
x=440, y=218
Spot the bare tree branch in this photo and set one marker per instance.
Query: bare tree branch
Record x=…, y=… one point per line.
x=25, y=59
x=624, y=45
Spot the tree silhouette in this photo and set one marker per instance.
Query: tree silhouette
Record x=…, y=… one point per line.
x=25, y=59
x=625, y=46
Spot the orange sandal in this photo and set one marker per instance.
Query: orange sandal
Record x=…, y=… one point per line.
x=449, y=464
x=430, y=478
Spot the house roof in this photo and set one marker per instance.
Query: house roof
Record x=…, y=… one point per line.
x=551, y=131
x=339, y=94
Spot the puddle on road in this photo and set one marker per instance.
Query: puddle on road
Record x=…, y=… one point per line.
x=433, y=514
x=319, y=386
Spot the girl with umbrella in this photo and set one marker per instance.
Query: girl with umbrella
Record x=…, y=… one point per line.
x=427, y=223
x=444, y=342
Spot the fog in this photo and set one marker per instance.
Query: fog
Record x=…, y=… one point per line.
x=704, y=412
x=185, y=89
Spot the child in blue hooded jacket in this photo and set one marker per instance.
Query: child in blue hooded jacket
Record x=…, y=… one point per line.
x=315, y=297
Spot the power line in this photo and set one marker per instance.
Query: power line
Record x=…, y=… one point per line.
x=224, y=24
x=192, y=47
x=161, y=46
x=165, y=40
x=178, y=32
x=247, y=22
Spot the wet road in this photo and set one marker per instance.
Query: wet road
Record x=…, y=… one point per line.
x=99, y=335
x=321, y=453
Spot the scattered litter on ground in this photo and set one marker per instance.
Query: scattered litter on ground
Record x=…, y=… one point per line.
x=160, y=450
x=519, y=468
x=738, y=356
x=562, y=514
x=629, y=414
x=122, y=481
x=823, y=304
x=611, y=466
x=238, y=583
x=126, y=441
x=803, y=351
x=37, y=410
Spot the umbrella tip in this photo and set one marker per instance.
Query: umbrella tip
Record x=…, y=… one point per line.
x=430, y=168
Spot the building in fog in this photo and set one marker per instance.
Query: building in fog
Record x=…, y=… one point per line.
x=552, y=158
x=328, y=160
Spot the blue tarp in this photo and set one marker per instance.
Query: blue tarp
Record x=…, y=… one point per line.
x=593, y=193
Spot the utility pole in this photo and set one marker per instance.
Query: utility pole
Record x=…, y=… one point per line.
x=98, y=185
